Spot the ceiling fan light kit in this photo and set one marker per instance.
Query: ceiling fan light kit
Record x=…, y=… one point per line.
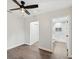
x=24, y=8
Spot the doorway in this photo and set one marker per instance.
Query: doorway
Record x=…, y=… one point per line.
x=34, y=32
x=61, y=34
x=60, y=29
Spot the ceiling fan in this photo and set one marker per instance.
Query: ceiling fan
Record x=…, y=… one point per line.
x=21, y=6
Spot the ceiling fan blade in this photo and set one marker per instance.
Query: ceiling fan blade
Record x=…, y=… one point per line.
x=14, y=9
x=27, y=12
x=16, y=2
x=31, y=6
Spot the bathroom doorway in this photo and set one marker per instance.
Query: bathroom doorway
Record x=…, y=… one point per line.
x=61, y=33
x=61, y=29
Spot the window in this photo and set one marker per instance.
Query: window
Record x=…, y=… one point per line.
x=58, y=29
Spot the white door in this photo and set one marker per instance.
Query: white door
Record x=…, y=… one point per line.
x=34, y=32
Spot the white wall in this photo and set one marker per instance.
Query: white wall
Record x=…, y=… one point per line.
x=44, y=31
x=15, y=31
x=34, y=32
x=27, y=32
x=45, y=26
x=27, y=22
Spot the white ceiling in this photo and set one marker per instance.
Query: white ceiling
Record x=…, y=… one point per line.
x=44, y=5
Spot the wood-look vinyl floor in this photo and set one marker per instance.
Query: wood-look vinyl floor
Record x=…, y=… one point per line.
x=33, y=52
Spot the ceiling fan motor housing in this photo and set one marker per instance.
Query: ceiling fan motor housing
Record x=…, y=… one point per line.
x=22, y=2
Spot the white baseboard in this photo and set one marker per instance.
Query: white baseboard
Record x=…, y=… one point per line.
x=69, y=56
x=14, y=46
x=27, y=43
x=31, y=43
x=45, y=49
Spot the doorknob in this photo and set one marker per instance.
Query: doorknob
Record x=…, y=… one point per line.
x=67, y=35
